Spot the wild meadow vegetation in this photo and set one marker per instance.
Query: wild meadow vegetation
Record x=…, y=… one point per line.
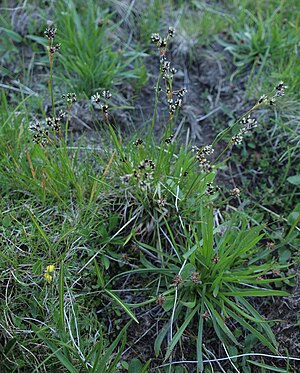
x=149, y=170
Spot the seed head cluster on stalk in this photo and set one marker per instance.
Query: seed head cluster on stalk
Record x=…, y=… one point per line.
x=101, y=101
x=42, y=130
x=201, y=154
x=167, y=72
x=248, y=123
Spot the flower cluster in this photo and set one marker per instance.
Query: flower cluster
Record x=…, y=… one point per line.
x=97, y=99
x=279, y=92
x=270, y=245
x=195, y=277
x=177, y=280
x=263, y=99
x=40, y=135
x=106, y=95
x=54, y=48
x=48, y=273
x=162, y=42
x=171, y=32
x=161, y=202
x=50, y=32
x=160, y=300
x=216, y=259
x=138, y=142
x=55, y=122
x=70, y=97
x=235, y=192
x=169, y=140
x=167, y=73
x=248, y=125
x=181, y=92
x=201, y=157
x=280, y=88
x=174, y=105
x=210, y=189
x=142, y=173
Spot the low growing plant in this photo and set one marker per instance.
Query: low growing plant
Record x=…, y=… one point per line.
x=203, y=264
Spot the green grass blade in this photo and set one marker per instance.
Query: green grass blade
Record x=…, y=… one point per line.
x=199, y=339
x=61, y=357
x=246, y=325
x=269, y=368
x=121, y=304
x=181, y=330
x=99, y=274
x=256, y=293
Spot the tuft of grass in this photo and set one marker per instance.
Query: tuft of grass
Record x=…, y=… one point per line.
x=96, y=238
x=94, y=54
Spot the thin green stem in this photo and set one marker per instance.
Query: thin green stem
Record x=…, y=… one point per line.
x=221, y=135
x=156, y=103
x=51, y=89
x=67, y=124
x=51, y=76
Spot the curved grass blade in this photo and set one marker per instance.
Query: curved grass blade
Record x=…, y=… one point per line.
x=121, y=304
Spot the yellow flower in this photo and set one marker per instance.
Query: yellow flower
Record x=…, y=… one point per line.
x=48, y=277
x=50, y=268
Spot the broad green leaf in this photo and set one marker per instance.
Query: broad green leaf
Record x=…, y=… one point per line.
x=168, y=303
x=295, y=180
x=135, y=366
x=189, y=304
x=190, y=252
x=6, y=221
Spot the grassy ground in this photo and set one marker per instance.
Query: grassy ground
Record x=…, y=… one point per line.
x=156, y=229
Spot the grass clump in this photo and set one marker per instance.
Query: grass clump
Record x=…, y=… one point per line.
x=99, y=240
x=93, y=55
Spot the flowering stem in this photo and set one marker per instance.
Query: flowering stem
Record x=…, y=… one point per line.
x=221, y=135
x=67, y=124
x=51, y=76
x=156, y=103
